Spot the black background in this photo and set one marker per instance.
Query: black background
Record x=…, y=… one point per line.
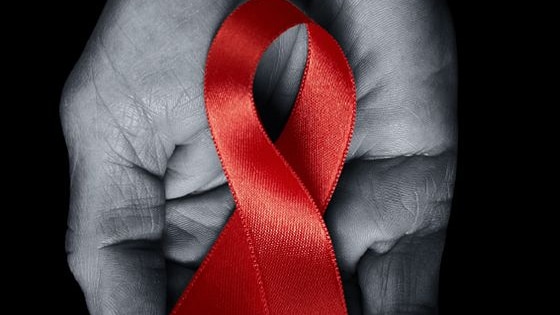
x=476, y=276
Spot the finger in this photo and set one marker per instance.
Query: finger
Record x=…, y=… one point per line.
x=404, y=280
x=193, y=224
x=379, y=202
x=194, y=167
x=117, y=203
x=403, y=57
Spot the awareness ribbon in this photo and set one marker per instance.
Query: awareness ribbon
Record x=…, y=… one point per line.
x=274, y=256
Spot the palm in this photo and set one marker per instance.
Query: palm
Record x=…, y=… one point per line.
x=145, y=168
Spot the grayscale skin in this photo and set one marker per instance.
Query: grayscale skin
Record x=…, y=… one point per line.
x=148, y=196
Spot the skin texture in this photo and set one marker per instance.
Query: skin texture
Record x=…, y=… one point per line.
x=148, y=196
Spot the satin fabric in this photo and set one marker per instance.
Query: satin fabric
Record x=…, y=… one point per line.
x=274, y=256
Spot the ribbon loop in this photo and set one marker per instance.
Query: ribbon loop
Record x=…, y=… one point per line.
x=274, y=255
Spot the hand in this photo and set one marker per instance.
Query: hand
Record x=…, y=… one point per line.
x=148, y=194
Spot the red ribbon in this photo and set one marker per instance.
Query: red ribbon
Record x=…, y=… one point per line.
x=274, y=255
